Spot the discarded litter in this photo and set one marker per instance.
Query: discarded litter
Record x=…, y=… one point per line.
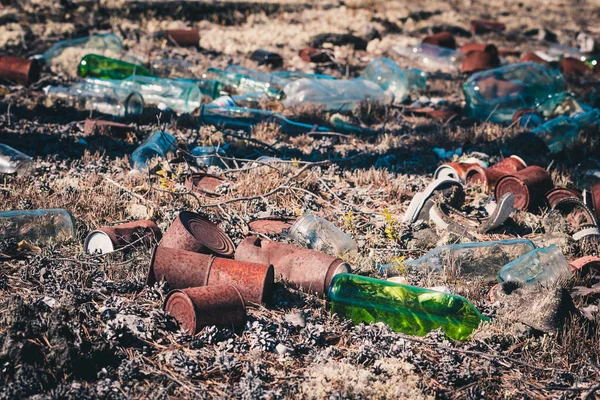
x=321, y=235
x=22, y=71
x=39, y=227
x=159, y=144
x=110, y=238
x=195, y=308
x=496, y=94
x=208, y=156
x=562, y=131
x=263, y=57
x=469, y=260
x=543, y=266
x=389, y=76
x=407, y=309
x=432, y=57
x=95, y=95
x=184, y=37
x=105, y=41
x=96, y=66
x=529, y=186
x=12, y=161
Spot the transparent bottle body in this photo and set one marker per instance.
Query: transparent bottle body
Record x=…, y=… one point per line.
x=320, y=234
x=561, y=131
x=39, y=227
x=239, y=118
x=289, y=76
x=242, y=83
x=179, y=96
x=334, y=94
x=545, y=266
x=12, y=161
x=432, y=57
x=107, y=41
x=98, y=95
x=96, y=66
x=388, y=76
x=207, y=156
x=407, y=309
x=159, y=144
x=472, y=260
x=274, y=82
x=496, y=94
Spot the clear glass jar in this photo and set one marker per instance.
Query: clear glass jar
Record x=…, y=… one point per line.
x=543, y=266
x=13, y=161
x=39, y=227
x=206, y=156
x=159, y=144
x=320, y=234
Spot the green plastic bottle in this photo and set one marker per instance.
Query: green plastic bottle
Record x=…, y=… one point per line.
x=95, y=66
x=407, y=309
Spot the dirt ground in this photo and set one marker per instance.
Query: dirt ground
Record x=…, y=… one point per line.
x=74, y=325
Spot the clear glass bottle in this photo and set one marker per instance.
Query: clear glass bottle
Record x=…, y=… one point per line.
x=389, y=76
x=182, y=71
x=159, y=144
x=289, y=76
x=207, y=156
x=38, y=227
x=12, y=161
x=334, y=94
x=432, y=56
x=407, y=309
x=179, y=96
x=246, y=84
x=545, y=265
x=96, y=66
x=105, y=41
x=321, y=235
x=561, y=131
x=96, y=95
x=481, y=259
x=496, y=94
x=238, y=118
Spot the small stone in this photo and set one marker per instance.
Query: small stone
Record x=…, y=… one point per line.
x=282, y=349
x=296, y=319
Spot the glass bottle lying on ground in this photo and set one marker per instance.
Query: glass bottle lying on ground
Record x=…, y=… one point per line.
x=561, y=131
x=496, y=94
x=389, y=76
x=321, y=235
x=179, y=96
x=544, y=266
x=206, y=156
x=432, y=56
x=98, y=96
x=259, y=82
x=482, y=259
x=96, y=66
x=159, y=144
x=106, y=41
x=38, y=227
x=238, y=118
x=12, y=161
x=334, y=94
x=407, y=309
x=181, y=70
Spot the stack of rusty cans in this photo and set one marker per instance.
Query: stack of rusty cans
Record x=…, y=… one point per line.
x=211, y=287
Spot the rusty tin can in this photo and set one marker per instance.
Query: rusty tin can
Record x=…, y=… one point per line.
x=557, y=194
x=476, y=61
x=109, y=238
x=109, y=128
x=454, y=170
x=204, y=184
x=195, y=308
x=304, y=268
x=596, y=199
x=489, y=177
x=183, y=269
x=442, y=39
x=529, y=187
x=193, y=232
x=184, y=37
x=180, y=268
x=19, y=70
x=272, y=225
x=584, y=265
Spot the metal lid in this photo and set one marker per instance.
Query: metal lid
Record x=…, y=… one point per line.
x=98, y=241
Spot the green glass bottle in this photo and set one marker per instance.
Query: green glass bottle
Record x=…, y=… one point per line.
x=407, y=309
x=95, y=66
